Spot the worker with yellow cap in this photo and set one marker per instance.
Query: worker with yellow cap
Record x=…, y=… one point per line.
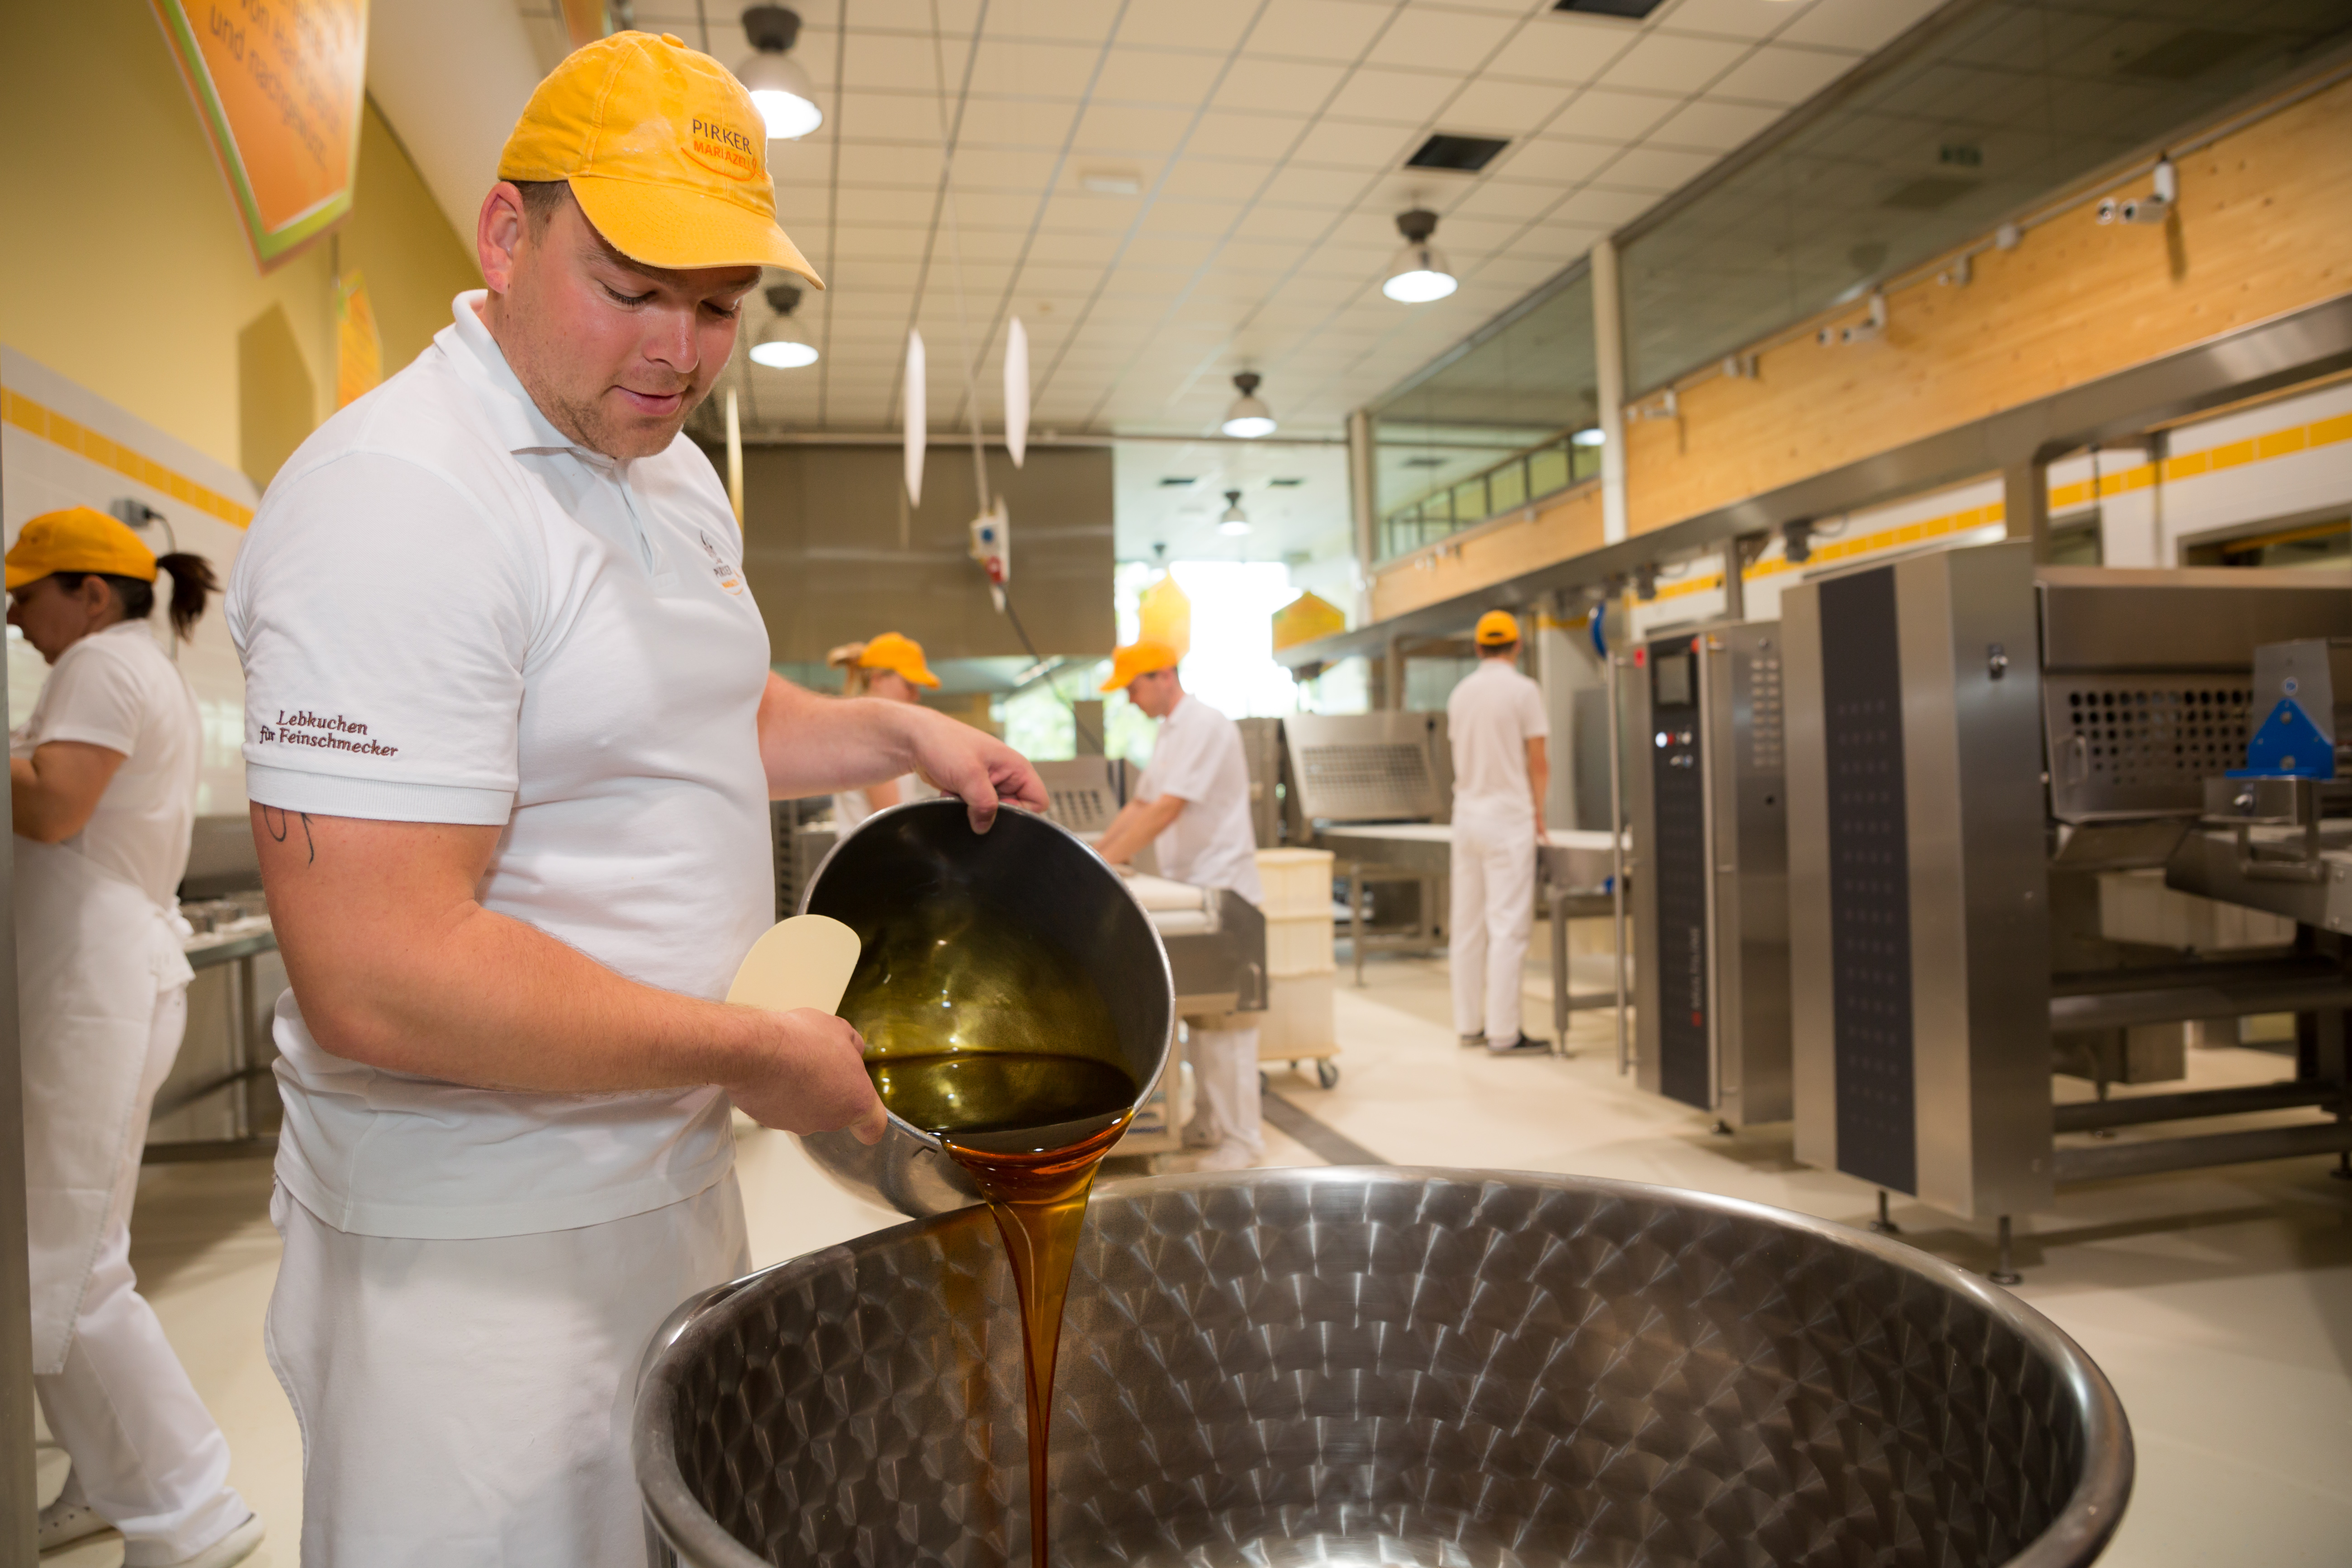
x=1495, y=721
x=510, y=737
x=890, y=667
x=1193, y=806
x=104, y=802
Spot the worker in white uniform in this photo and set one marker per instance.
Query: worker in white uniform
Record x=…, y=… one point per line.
x=1495, y=721
x=890, y=667
x=1193, y=806
x=103, y=777
x=510, y=738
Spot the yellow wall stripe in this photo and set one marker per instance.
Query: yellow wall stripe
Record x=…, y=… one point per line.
x=50, y=425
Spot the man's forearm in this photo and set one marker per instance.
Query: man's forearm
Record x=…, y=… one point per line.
x=814, y=744
x=1138, y=822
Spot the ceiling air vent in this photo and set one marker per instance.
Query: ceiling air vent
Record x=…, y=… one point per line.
x=1462, y=154
x=1635, y=9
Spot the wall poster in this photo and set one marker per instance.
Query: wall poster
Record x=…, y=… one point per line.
x=279, y=85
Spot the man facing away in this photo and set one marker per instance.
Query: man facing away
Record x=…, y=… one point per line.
x=1193, y=806
x=1495, y=721
x=510, y=737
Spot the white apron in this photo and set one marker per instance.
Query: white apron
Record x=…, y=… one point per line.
x=93, y=952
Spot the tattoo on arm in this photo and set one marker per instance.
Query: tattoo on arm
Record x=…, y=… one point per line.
x=273, y=819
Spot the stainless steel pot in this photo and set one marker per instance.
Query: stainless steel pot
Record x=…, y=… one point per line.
x=1030, y=883
x=1386, y=1367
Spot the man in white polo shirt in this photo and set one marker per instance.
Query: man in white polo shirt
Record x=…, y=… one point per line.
x=1495, y=721
x=510, y=737
x=1193, y=806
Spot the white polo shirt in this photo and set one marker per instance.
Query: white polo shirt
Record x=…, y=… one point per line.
x=1198, y=759
x=117, y=689
x=449, y=612
x=1493, y=714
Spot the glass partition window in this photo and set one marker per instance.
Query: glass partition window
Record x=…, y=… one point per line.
x=1491, y=427
x=2002, y=106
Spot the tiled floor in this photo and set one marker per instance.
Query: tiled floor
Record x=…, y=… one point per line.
x=2220, y=1302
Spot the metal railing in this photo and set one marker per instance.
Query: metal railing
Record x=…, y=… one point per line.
x=1513, y=483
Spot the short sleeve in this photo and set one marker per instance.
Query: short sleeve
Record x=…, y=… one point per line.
x=94, y=697
x=383, y=616
x=1535, y=724
x=1190, y=772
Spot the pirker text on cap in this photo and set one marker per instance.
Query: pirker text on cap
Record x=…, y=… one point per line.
x=77, y=539
x=665, y=152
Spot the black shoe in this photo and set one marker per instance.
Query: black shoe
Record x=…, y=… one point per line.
x=1469, y=1040
x=1525, y=1046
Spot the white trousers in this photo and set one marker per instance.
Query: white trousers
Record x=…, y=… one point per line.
x=1225, y=1076
x=465, y=1403
x=1493, y=876
x=147, y=1456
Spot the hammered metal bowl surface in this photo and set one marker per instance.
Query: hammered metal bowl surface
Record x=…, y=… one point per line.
x=1386, y=1367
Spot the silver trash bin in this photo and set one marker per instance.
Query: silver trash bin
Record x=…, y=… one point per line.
x=1442, y=1369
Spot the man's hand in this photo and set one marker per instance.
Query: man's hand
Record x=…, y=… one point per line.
x=813, y=1079
x=973, y=765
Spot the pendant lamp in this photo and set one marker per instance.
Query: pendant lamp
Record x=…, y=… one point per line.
x=782, y=347
x=1420, y=272
x=785, y=96
x=1249, y=417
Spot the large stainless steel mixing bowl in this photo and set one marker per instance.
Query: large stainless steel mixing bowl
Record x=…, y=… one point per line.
x=1032, y=885
x=1387, y=1366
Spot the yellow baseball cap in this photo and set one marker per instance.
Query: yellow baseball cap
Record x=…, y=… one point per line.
x=79, y=539
x=665, y=150
x=901, y=656
x=1138, y=658
x=1496, y=628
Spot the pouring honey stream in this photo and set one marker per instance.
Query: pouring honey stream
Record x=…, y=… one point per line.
x=1005, y=1051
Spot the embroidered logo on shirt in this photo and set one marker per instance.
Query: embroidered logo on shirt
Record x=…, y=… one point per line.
x=304, y=728
x=722, y=569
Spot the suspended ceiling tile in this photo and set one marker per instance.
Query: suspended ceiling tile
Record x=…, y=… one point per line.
x=1606, y=114
x=1110, y=127
x=857, y=203
x=1504, y=108
x=956, y=17
x=1549, y=163
x=1062, y=244
x=1454, y=41
x=869, y=165
x=1606, y=208
x=1345, y=144
x=898, y=63
x=1181, y=76
x=1244, y=133
x=1207, y=219
x=1027, y=68
x=1001, y=123
x=1780, y=75
x=1215, y=179
x=1215, y=25
x=1276, y=86
x=1730, y=18
x=1330, y=30
x=1856, y=24
x=1391, y=97
x=1714, y=127
x=1667, y=63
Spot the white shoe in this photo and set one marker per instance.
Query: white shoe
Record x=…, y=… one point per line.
x=233, y=1548
x=1198, y=1134
x=70, y=1519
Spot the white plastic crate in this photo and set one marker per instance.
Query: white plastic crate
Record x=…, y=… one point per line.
x=1299, y=944
x=1297, y=1020
x=1298, y=882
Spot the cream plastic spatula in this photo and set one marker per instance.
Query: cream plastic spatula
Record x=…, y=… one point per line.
x=805, y=962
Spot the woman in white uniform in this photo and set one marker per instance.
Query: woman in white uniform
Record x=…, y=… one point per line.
x=103, y=792
x=891, y=667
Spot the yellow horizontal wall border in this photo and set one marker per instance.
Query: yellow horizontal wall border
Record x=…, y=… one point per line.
x=50, y=425
x=2281, y=443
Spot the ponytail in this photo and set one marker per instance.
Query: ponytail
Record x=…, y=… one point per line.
x=193, y=586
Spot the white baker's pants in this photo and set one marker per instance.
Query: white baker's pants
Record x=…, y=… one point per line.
x=1225, y=1076
x=1493, y=877
x=466, y=1404
x=147, y=1456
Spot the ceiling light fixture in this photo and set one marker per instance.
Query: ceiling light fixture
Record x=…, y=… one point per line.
x=1249, y=417
x=785, y=96
x=1235, y=522
x=1593, y=436
x=1419, y=274
x=782, y=347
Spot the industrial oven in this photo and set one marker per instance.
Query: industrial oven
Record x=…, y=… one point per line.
x=1982, y=756
x=1710, y=912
